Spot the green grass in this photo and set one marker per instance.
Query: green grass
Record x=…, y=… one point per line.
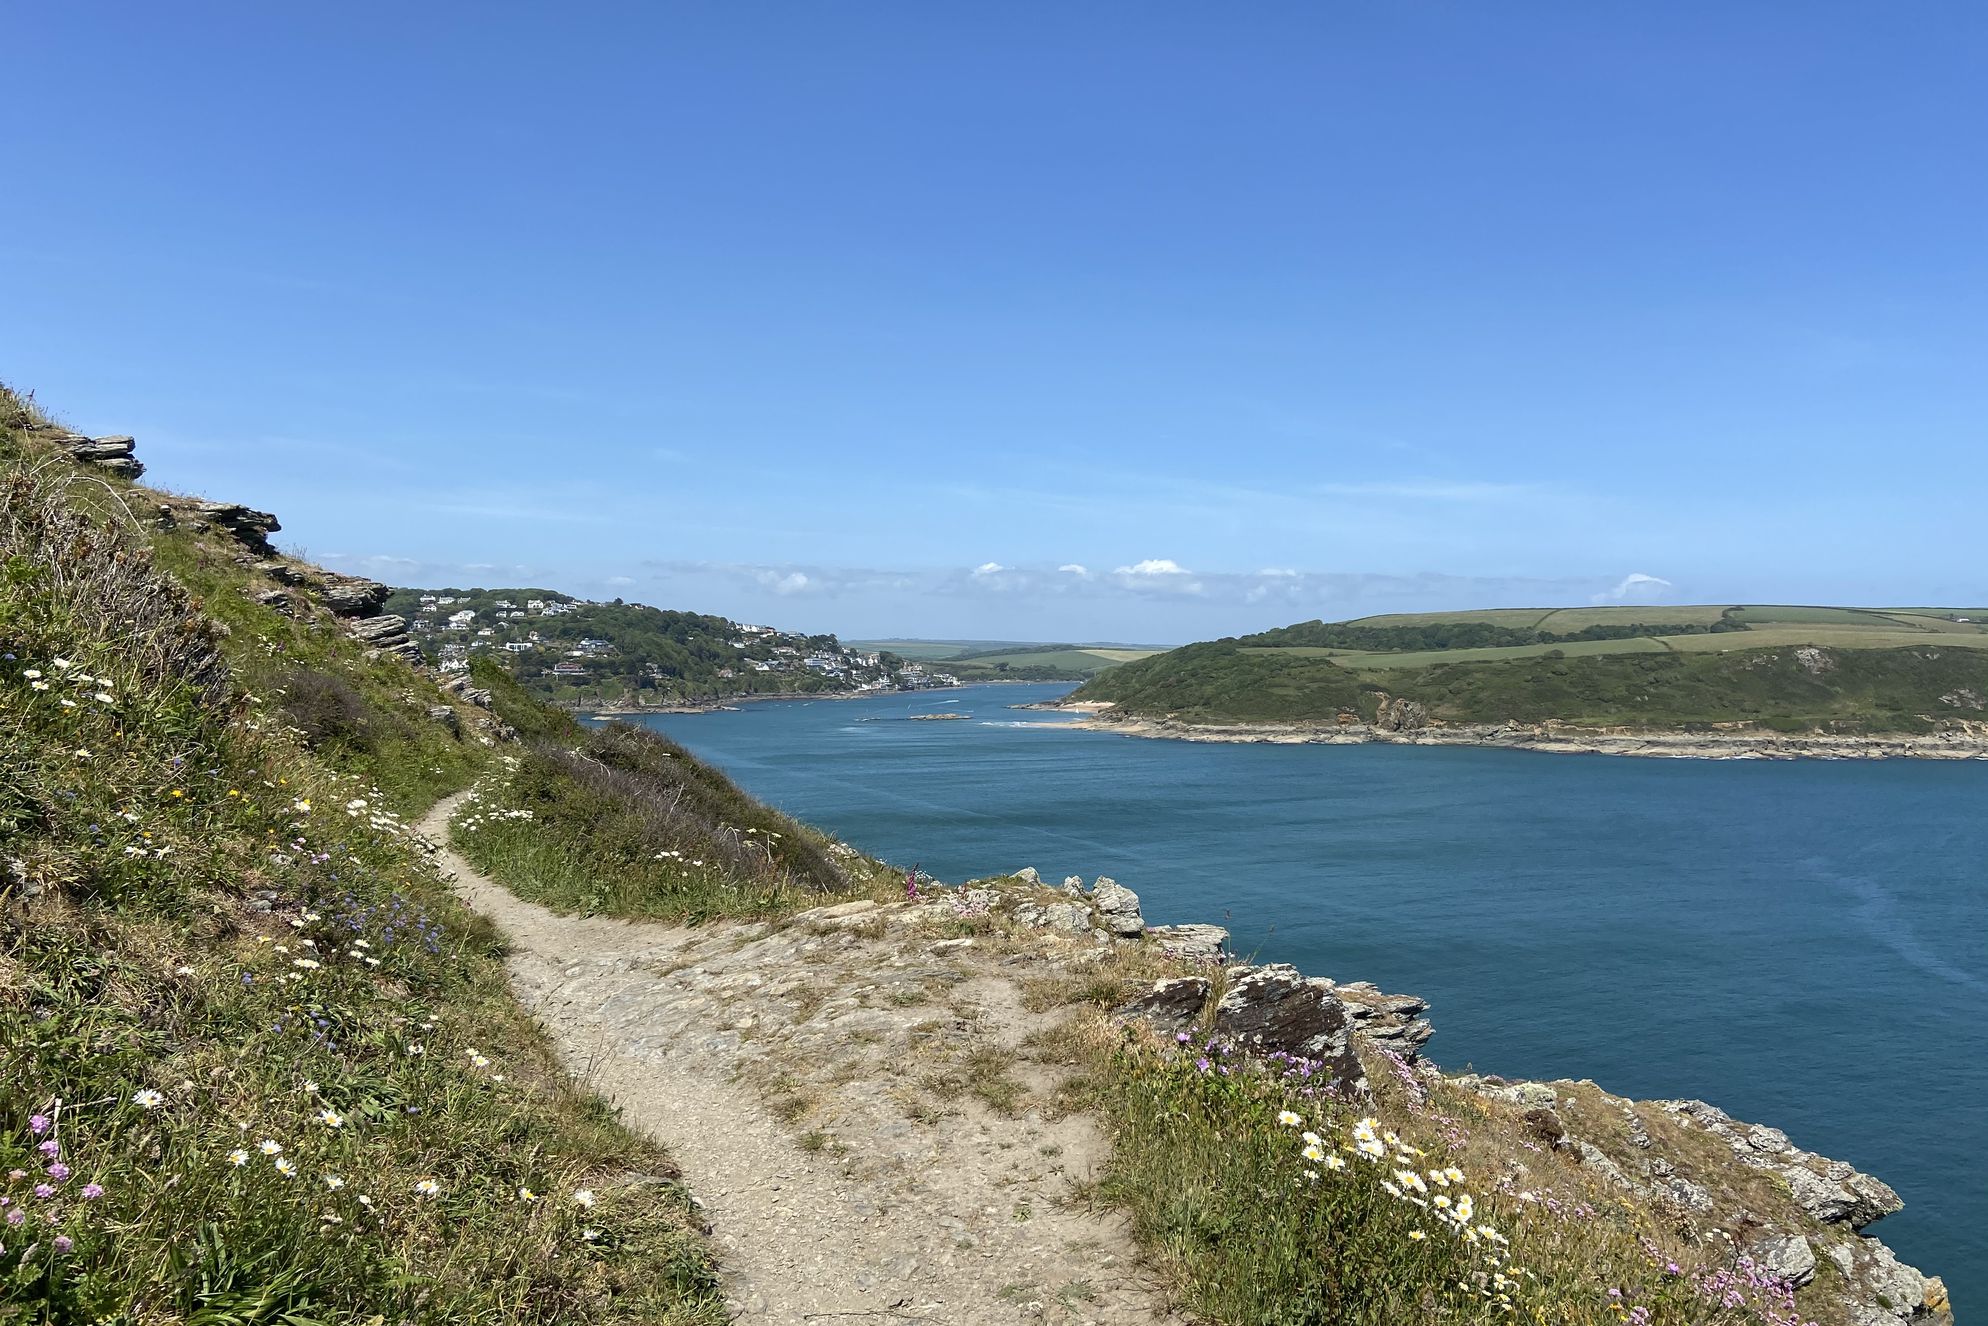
x=1692, y=667
x=1253, y=1230
x=622, y=821
x=1085, y=662
x=212, y=935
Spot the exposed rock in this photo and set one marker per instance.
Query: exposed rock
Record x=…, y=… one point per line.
x=1907, y=1294
x=447, y=717
x=375, y=629
x=1171, y=1006
x=1073, y=884
x=247, y=526
x=1599, y=1161
x=278, y=600
x=1196, y=943
x=283, y=573
x=477, y=696
x=354, y=596
x=1118, y=909
x=1829, y=1190
x=1392, y=1022
x=1066, y=917
x=1028, y=875
x=109, y=453
x=1813, y=661
x=1786, y=1257
x=1398, y=714
x=1275, y=1009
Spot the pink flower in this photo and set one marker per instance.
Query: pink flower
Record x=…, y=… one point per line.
x=63, y=1243
x=16, y=1216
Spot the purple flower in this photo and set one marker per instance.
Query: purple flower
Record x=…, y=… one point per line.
x=58, y=1171
x=63, y=1243
x=1182, y=1038
x=38, y=1124
x=1202, y=1063
x=44, y=1190
x=92, y=1191
x=16, y=1216
x=51, y=1148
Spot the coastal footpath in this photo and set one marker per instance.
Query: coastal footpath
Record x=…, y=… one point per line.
x=1737, y=741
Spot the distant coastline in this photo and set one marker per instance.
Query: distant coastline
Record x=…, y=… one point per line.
x=725, y=702
x=1970, y=743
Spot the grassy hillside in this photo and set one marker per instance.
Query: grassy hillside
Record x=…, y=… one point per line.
x=256, y=1062
x=1790, y=669
x=1009, y=660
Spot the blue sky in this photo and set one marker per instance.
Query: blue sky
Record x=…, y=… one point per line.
x=879, y=318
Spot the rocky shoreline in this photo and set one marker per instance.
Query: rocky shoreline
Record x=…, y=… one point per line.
x=1961, y=742
x=1740, y=1186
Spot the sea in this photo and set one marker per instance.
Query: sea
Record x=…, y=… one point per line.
x=1802, y=943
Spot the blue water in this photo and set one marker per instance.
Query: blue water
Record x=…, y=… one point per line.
x=1803, y=944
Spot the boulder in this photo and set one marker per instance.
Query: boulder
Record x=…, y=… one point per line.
x=1170, y=1006
x=1073, y=884
x=1785, y=1257
x=1196, y=943
x=446, y=716
x=1028, y=875
x=1118, y=909
x=1275, y=1010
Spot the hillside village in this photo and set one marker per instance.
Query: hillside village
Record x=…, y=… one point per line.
x=586, y=653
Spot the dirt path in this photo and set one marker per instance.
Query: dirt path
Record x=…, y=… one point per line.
x=829, y=1088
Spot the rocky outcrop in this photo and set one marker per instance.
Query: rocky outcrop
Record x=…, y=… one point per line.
x=354, y=596
x=386, y=634
x=1276, y=1010
x=106, y=453
x=1829, y=1190
x=1194, y=943
x=1170, y=1006
x=246, y=525
x=1071, y=918
x=1117, y=908
x=1392, y=1022
x=1398, y=714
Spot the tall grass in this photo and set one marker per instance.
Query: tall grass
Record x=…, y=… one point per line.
x=626, y=822
x=256, y=1062
x=1274, y=1203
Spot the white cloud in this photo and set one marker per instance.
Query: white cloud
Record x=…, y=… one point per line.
x=989, y=569
x=1153, y=566
x=1636, y=588
x=1074, y=569
x=793, y=582
x=620, y=580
